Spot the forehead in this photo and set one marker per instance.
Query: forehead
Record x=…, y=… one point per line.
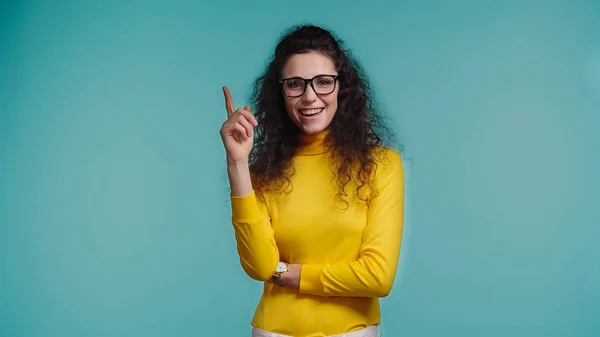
x=308, y=65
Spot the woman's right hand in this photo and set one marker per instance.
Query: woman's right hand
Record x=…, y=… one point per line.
x=237, y=132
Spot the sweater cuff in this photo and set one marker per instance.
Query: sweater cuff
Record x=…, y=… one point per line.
x=310, y=279
x=244, y=209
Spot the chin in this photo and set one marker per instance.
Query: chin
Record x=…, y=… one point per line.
x=312, y=129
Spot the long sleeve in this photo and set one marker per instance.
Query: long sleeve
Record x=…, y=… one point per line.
x=254, y=237
x=373, y=273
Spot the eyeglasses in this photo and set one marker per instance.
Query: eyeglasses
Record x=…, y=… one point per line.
x=296, y=86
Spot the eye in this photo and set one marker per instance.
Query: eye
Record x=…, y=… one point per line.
x=294, y=84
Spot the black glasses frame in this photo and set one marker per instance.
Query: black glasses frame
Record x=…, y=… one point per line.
x=309, y=81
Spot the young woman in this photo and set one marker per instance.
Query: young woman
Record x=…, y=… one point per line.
x=317, y=199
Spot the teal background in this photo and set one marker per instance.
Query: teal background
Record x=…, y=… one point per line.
x=114, y=213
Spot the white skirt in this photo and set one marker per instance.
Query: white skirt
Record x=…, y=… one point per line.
x=370, y=331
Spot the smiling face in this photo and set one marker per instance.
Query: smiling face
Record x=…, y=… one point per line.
x=313, y=111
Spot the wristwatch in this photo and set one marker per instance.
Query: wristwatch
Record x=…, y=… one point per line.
x=282, y=267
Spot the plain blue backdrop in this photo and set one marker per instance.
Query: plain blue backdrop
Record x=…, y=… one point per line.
x=114, y=213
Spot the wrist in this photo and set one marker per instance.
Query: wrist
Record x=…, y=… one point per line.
x=280, y=271
x=287, y=275
x=237, y=163
x=239, y=177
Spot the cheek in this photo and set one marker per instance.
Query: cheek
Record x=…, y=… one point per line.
x=332, y=102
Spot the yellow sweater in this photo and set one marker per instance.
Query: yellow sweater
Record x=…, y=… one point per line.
x=349, y=256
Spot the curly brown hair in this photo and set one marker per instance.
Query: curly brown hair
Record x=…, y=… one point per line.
x=355, y=132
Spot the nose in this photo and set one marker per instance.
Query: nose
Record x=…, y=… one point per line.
x=309, y=95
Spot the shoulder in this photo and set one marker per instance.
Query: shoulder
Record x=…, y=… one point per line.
x=389, y=163
x=385, y=156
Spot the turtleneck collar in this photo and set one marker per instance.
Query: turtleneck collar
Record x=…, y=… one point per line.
x=312, y=144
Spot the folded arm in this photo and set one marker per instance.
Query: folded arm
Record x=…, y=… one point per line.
x=254, y=235
x=373, y=273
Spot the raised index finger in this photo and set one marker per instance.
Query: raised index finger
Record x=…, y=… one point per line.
x=228, y=101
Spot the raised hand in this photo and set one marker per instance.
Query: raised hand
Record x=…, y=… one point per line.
x=237, y=132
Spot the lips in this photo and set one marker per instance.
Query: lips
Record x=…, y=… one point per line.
x=310, y=112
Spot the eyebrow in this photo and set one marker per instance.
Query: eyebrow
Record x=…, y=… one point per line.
x=309, y=78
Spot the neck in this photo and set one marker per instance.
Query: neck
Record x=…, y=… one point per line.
x=312, y=144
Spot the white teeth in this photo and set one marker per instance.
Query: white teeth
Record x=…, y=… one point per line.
x=310, y=112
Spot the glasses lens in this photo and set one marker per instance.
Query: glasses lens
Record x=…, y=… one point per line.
x=324, y=84
x=294, y=87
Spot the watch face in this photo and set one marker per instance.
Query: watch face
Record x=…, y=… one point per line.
x=281, y=267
